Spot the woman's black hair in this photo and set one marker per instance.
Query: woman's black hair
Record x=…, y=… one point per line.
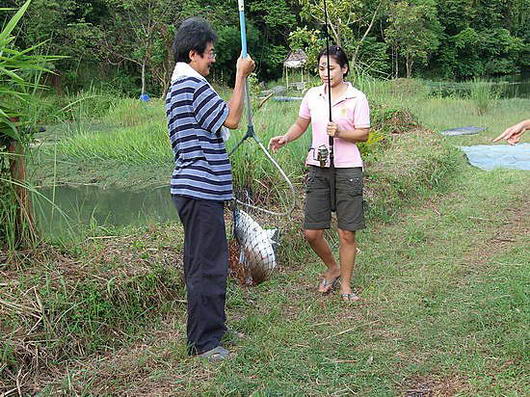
x=338, y=54
x=193, y=34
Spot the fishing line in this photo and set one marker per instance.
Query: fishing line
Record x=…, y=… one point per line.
x=250, y=128
x=331, y=139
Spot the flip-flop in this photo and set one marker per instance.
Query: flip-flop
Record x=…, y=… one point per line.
x=329, y=285
x=218, y=353
x=349, y=298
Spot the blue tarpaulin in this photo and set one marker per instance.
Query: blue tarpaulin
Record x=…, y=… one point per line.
x=462, y=131
x=287, y=98
x=489, y=157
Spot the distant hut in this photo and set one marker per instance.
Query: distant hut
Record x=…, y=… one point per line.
x=296, y=60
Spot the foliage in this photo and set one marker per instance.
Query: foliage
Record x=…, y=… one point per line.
x=413, y=31
x=483, y=94
x=20, y=71
x=126, y=44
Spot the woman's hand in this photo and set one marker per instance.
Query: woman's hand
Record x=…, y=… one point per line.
x=333, y=129
x=277, y=142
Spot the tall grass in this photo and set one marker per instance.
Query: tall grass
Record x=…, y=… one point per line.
x=144, y=144
x=483, y=94
x=20, y=73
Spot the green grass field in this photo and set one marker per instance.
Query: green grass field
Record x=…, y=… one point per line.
x=443, y=271
x=444, y=312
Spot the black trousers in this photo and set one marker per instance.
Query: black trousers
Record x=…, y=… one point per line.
x=205, y=270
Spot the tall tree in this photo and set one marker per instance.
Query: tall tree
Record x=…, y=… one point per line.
x=350, y=25
x=413, y=32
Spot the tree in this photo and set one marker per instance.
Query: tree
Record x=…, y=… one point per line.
x=141, y=32
x=349, y=25
x=413, y=32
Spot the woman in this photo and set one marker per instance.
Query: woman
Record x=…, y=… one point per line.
x=351, y=123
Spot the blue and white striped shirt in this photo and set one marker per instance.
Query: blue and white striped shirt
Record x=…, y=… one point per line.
x=195, y=115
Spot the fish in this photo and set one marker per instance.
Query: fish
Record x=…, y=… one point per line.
x=257, y=247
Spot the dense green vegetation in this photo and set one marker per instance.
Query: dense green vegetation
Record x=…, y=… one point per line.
x=442, y=268
x=125, y=45
x=444, y=309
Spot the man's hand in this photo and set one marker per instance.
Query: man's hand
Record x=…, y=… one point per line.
x=332, y=129
x=245, y=66
x=514, y=133
x=277, y=142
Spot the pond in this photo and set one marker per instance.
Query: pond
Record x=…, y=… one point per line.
x=91, y=205
x=515, y=86
x=511, y=86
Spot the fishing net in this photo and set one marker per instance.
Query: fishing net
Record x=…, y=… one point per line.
x=256, y=256
x=263, y=195
x=256, y=191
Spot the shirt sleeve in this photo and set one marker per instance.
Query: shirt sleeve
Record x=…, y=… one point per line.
x=361, y=114
x=209, y=108
x=304, y=112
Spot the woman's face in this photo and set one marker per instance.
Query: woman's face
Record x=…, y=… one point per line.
x=336, y=72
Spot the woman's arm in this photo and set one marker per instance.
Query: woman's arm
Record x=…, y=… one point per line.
x=294, y=132
x=355, y=135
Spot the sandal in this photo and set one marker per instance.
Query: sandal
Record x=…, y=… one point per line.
x=351, y=297
x=218, y=353
x=328, y=285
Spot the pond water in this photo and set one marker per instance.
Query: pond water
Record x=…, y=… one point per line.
x=515, y=86
x=91, y=205
x=512, y=86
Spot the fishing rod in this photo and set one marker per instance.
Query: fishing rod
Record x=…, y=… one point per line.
x=250, y=127
x=333, y=201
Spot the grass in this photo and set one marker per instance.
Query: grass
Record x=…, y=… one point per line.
x=444, y=278
x=125, y=134
x=445, y=312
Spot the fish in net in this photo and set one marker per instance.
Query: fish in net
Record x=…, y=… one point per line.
x=257, y=247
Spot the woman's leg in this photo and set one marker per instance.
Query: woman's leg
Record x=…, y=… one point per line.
x=347, y=251
x=318, y=243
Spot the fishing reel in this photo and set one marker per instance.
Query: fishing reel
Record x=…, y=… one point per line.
x=322, y=155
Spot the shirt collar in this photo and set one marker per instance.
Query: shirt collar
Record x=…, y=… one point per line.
x=182, y=69
x=351, y=92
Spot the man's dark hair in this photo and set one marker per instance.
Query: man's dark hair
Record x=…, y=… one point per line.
x=338, y=54
x=193, y=34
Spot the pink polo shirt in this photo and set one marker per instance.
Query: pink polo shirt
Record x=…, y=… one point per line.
x=349, y=112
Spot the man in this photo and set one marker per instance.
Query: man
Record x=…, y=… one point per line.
x=202, y=179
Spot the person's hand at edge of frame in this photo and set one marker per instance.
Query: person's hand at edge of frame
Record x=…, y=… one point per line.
x=514, y=133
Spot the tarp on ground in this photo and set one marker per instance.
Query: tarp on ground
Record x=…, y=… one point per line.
x=462, y=131
x=489, y=157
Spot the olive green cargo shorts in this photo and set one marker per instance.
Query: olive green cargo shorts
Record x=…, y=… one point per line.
x=349, y=198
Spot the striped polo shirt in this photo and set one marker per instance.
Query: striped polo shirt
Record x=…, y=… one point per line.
x=195, y=115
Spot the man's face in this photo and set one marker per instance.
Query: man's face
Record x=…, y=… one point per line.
x=203, y=62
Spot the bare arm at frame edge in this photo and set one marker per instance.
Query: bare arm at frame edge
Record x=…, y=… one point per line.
x=514, y=133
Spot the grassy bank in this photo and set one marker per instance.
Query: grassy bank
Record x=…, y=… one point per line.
x=443, y=281
x=123, y=143
x=444, y=312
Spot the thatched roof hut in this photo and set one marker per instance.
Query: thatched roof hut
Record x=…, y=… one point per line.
x=296, y=59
